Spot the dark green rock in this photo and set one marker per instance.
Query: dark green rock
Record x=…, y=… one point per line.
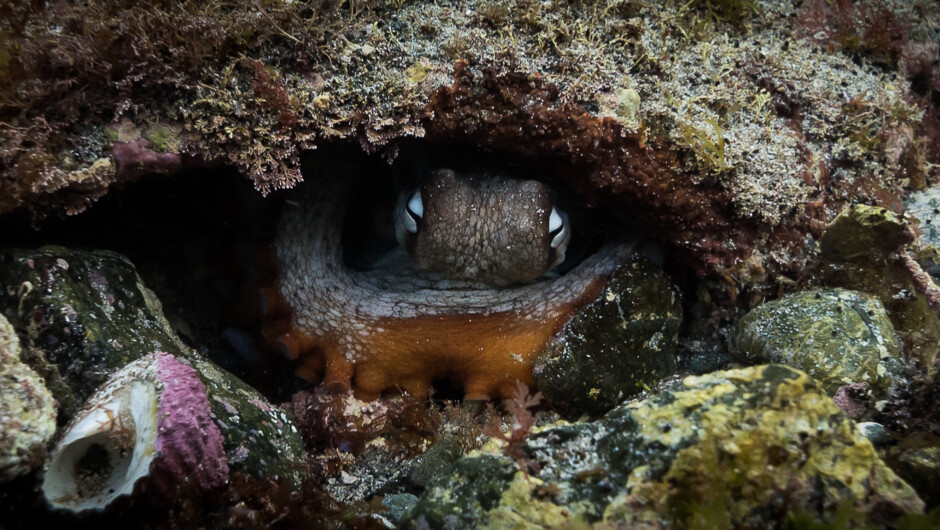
x=396, y=505
x=618, y=345
x=84, y=315
x=861, y=232
x=259, y=438
x=752, y=447
x=837, y=336
x=917, y=460
x=460, y=496
x=859, y=252
x=432, y=462
x=81, y=315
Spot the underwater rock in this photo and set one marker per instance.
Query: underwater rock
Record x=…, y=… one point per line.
x=462, y=495
x=27, y=410
x=396, y=504
x=837, y=336
x=86, y=317
x=167, y=427
x=749, y=447
x=617, y=345
x=917, y=460
x=718, y=169
x=925, y=207
x=82, y=315
x=863, y=250
x=876, y=434
x=365, y=447
x=428, y=465
x=863, y=232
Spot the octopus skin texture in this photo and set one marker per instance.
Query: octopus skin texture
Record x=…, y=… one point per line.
x=401, y=325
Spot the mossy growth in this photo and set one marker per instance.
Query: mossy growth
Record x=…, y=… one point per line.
x=735, y=12
x=738, y=448
x=708, y=144
x=165, y=139
x=93, y=63
x=697, y=19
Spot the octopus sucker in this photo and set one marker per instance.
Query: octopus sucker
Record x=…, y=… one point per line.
x=475, y=301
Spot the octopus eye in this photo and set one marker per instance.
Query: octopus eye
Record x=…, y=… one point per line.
x=558, y=227
x=412, y=212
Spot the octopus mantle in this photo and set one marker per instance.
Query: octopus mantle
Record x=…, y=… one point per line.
x=388, y=328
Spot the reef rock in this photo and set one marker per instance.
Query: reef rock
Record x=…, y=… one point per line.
x=82, y=315
x=837, y=336
x=614, y=347
x=101, y=341
x=749, y=447
x=27, y=410
x=864, y=249
x=925, y=207
x=917, y=460
x=816, y=115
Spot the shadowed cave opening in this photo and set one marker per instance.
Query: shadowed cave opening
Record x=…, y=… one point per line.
x=195, y=239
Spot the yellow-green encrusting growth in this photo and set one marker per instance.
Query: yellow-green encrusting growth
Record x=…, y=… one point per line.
x=717, y=451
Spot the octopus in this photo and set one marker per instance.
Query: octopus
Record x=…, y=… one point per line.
x=471, y=295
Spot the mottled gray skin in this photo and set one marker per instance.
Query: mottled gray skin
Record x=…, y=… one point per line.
x=481, y=228
x=330, y=299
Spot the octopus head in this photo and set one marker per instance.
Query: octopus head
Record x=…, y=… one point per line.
x=486, y=229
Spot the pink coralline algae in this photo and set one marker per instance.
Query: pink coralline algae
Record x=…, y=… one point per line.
x=136, y=158
x=148, y=428
x=189, y=441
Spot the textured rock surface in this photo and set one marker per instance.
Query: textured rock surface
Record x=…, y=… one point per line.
x=718, y=164
x=82, y=315
x=837, y=336
x=27, y=410
x=917, y=460
x=860, y=251
x=750, y=447
x=618, y=345
x=87, y=314
x=925, y=207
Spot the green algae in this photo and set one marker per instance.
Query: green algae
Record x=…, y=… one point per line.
x=165, y=139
